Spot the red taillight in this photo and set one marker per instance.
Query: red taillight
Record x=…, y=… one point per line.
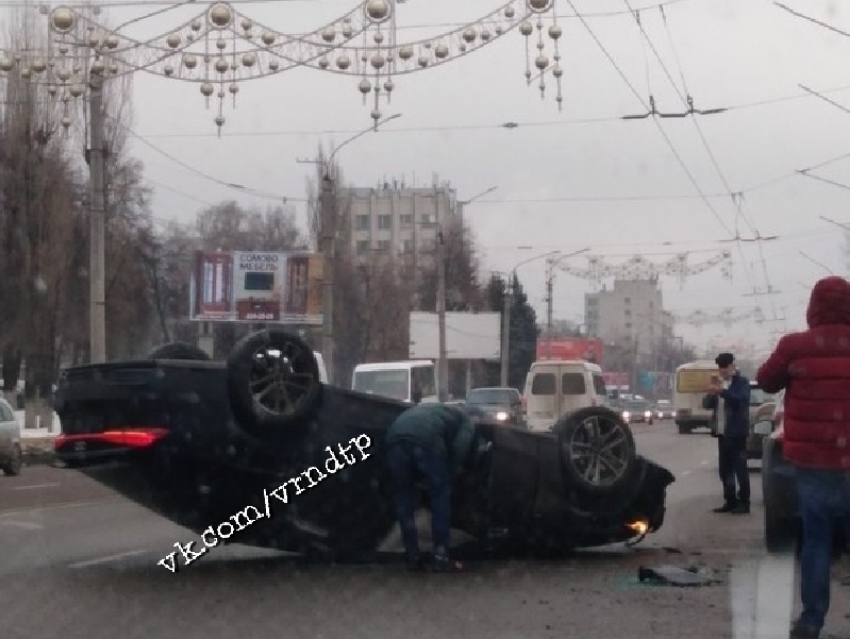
x=126, y=437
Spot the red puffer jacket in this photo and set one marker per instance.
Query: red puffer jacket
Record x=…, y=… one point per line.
x=814, y=366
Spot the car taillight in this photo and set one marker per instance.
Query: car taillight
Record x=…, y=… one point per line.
x=127, y=437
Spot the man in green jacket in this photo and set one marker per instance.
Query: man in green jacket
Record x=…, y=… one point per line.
x=432, y=442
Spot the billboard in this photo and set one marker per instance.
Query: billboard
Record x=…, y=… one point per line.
x=257, y=287
x=468, y=336
x=572, y=348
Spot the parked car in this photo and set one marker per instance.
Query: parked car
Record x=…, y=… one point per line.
x=11, y=456
x=198, y=441
x=637, y=411
x=503, y=405
x=762, y=408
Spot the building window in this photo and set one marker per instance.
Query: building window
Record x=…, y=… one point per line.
x=362, y=247
x=362, y=222
x=383, y=245
x=628, y=324
x=406, y=221
x=385, y=222
x=628, y=300
x=429, y=219
x=628, y=313
x=407, y=246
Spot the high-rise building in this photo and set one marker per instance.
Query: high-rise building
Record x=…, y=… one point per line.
x=630, y=314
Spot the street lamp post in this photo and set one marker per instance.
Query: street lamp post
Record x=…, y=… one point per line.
x=507, y=306
x=328, y=215
x=550, y=280
x=442, y=357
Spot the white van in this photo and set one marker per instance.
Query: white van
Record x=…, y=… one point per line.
x=397, y=380
x=689, y=387
x=554, y=388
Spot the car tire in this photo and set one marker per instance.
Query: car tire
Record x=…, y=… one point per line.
x=579, y=434
x=15, y=464
x=684, y=430
x=273, y=379
x=178, y=350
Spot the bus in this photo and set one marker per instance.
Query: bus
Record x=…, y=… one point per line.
x=412, y=381
x=689, y=388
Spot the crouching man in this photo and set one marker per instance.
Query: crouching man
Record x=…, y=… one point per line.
x=433, y=443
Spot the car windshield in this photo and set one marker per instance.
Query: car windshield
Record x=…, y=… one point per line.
x=637, y=406
x=491, y=396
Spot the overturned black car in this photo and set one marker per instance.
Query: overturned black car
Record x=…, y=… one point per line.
x=256, y=450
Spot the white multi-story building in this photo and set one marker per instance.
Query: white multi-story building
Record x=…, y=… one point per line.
x=630, y=314
x=397, y=219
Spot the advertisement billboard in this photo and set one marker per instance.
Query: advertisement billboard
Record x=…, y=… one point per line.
x=468, y=336
x=572, y=348
x=257, y=287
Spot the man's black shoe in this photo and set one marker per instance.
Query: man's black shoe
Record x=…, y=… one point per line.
x=802, y=631
x=741, y=509
x=726, y=508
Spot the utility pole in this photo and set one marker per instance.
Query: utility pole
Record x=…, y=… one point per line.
x=328, y=217
x=97, y=278
x=550, y=276
x=442, y=361
x=506, y=330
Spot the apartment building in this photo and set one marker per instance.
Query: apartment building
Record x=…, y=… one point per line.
x=629, y=314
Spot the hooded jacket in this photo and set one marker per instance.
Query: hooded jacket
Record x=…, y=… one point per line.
x=443, y=430
x=814, y=368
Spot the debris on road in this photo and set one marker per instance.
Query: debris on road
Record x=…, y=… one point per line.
x=676, y=576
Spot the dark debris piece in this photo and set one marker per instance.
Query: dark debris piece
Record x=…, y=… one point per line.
x=675, y=576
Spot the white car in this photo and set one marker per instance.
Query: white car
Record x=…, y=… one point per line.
x=11, y=457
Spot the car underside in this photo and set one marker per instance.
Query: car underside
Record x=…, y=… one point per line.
x=202, y=443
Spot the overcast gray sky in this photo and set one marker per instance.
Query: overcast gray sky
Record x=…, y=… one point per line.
x=579, y=178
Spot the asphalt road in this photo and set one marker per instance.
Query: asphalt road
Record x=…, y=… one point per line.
x=79, y=562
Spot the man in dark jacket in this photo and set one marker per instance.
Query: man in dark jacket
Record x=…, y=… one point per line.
x=814, y=368
x=729, y=398
x=433, y=442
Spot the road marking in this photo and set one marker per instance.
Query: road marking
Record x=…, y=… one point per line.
x=686, y=472
x=107, y=559
x=37, y=509
x=26, y=525
x=704, y=462
x=34, y=486
x=762, y=597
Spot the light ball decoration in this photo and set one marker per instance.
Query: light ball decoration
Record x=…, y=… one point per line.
x=173, y=40
x=539, y=6
x=220, y=16
x=62, y=19
x=377, y=10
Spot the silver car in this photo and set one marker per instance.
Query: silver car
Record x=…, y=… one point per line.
x=11, y=457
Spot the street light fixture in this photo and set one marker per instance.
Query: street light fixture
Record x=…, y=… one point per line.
x=550, y=280
x=328, y=215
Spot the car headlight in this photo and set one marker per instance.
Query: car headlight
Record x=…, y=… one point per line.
x=647, y=414
x=501, y=416
x=659, y=414
x=626, y=414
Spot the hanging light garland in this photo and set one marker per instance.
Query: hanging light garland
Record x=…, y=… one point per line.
x=220, y=48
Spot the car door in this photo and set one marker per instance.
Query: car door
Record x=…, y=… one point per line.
x=8, y=429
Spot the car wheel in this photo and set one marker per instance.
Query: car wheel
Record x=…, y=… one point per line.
x=15, y=463
x=273, y=378
x=597, y=450
x=684, y=430
x=178, y=350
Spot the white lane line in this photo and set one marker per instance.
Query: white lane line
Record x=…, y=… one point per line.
x=34, y=486
x=762, y=597
x=42, y=509
x=26, y=525
x=686, y=472
x=704, y=462
x=107, y=559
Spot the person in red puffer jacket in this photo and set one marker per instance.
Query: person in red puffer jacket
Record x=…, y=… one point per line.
x=813, y=367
